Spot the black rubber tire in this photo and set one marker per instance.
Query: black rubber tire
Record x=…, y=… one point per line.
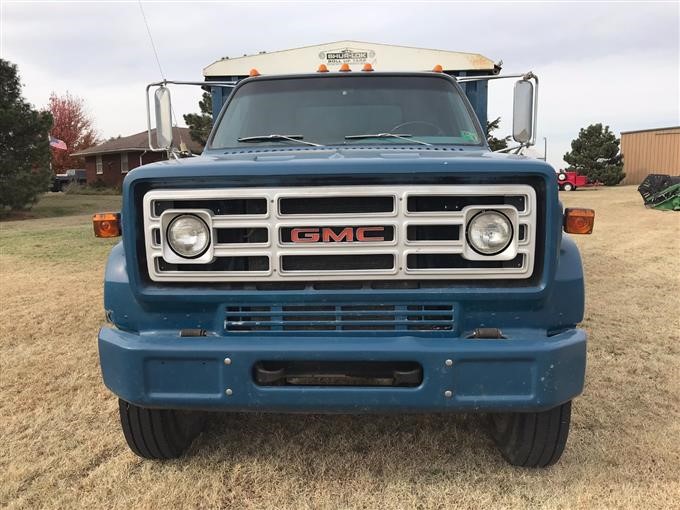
x=532, y=439
x=159, y=433
x=568, y=187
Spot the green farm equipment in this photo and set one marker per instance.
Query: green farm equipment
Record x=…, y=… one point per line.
x=661, y=192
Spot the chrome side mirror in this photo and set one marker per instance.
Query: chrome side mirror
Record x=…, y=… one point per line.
x=163, y=118
x=523, y=111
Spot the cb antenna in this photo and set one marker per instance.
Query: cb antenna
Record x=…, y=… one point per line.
x=153, y=45
x=158, y=61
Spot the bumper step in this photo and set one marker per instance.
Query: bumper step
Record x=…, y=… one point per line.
x=338, y=373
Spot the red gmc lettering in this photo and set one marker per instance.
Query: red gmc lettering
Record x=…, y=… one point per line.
x=346, y=234
x=328, y=235
x=361, y=234
x=305, y=235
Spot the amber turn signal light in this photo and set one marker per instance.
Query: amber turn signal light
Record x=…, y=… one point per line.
x=438, y=69
x=344, y=68
x=254, y=72
x=322, y=68
x=367, y=67
x=579, y=221
x=106, y=224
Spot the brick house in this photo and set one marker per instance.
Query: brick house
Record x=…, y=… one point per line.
x=110, y=161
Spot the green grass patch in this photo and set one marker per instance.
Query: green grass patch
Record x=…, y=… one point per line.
x=71, y=244
x=52, y=205
x=79, y=189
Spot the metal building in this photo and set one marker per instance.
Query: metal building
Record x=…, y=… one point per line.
x=383, y=57
x=650, y=151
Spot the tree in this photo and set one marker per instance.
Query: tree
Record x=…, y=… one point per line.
x=200, y=124
x=595, y=154
x=495, y=143
x=24, y=144
x=74, y=127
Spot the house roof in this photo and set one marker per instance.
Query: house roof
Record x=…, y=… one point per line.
x=383, y=57
x=140, y=142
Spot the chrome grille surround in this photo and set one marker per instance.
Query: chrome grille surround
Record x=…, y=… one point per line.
x=399, y=248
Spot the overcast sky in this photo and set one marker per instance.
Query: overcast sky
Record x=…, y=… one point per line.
x=615, y=63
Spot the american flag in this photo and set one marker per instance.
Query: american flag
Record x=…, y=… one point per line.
x=57, y=144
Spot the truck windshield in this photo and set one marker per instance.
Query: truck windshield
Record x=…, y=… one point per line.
x=347, y=110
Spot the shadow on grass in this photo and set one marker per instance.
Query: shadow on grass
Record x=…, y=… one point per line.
x=430, y=444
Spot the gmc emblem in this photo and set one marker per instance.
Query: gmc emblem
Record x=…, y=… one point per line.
x=337, y=235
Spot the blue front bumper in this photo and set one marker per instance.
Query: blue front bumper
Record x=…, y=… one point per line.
x=525, y=372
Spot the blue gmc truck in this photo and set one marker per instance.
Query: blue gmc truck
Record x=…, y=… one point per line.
x=347, y=243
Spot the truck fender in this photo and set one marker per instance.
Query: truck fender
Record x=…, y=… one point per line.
x=567, y=297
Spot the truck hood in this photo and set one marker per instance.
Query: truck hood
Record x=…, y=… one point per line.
x=268, y=164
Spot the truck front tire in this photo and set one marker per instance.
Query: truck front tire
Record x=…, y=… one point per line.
x=532, y=439
x=159, y=433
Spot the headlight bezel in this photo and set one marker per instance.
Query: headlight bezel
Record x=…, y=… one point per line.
x=172, y=238
x=509, y=251
x=169, y=254
x=477, y=217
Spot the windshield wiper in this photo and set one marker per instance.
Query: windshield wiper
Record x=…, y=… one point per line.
x=388, y=135
x=264, y=138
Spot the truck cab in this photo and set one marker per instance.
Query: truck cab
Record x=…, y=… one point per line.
x=346, y=243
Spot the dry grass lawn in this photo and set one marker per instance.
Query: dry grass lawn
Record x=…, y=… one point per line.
x=62, y=445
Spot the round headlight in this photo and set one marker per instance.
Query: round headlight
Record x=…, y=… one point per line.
x=188, y=236
x=489, y=232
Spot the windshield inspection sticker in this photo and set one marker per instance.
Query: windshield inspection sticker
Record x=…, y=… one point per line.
x=469, y=136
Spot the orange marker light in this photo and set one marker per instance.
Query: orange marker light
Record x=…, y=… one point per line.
x=106, y=224
x=437, y=69
x=367, y=67
x=322, y=68
x=254, y=72
x=579, y=221
x=344, y=68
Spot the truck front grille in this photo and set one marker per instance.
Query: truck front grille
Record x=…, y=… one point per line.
x=345, y=233
x=346, y=317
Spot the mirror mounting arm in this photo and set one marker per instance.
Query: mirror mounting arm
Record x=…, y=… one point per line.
x=531, y=76
x=163, y=85
x=528, y=76
x=516, y=148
